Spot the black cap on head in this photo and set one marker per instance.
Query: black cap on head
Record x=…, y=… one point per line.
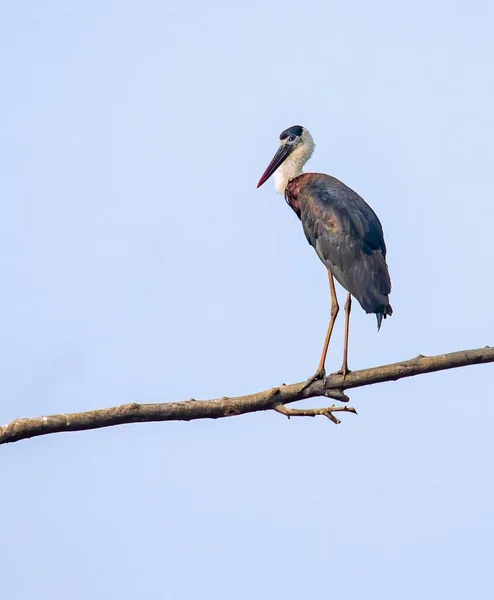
x=295, y=130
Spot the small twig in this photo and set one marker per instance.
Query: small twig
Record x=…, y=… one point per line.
x=314, y=412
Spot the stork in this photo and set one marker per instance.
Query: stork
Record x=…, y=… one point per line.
x=341, y=227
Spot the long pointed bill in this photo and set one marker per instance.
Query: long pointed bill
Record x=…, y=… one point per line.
x=280, y=156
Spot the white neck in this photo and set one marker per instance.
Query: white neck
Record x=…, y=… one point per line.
x=293, y=165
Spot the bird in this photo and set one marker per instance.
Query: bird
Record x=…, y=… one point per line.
x=344, y=231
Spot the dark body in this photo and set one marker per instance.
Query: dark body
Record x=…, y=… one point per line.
x=346, y=235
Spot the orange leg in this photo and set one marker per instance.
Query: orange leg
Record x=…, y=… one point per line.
x=321, y=371
x=344, y=367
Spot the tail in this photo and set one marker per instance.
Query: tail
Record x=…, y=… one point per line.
x=384, y=312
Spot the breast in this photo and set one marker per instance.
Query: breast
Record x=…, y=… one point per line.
x=293, y=192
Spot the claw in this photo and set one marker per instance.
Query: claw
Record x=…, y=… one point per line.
x=319, y=374
x=343, y=371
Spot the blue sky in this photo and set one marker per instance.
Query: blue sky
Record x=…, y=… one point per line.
x=140, y=263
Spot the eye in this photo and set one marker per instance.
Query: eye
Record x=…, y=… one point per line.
x=292, y=138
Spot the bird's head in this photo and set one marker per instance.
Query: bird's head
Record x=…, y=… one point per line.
x=296, y=147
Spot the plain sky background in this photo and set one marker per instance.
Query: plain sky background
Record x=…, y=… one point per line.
x=139, y=263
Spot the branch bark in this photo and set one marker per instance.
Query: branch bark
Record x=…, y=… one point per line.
x=273, y=399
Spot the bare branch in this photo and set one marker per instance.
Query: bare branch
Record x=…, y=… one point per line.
x=273, y=399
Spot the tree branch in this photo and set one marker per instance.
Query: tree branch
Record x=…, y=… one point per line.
x=273, y=399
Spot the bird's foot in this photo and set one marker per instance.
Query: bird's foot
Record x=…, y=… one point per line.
x=319, y=374
x=343, y=371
